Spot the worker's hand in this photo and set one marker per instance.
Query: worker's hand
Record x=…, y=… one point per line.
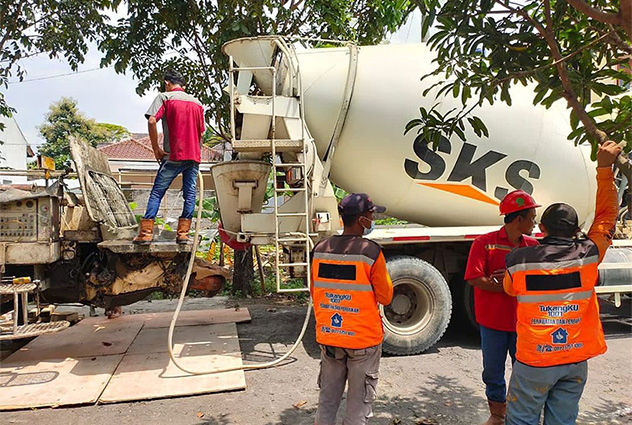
x=160, y=154
x=497, y=277
x=607, y=154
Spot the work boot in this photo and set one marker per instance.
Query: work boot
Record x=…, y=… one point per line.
x=497, y=412
x=146, y=232
x=184, y=224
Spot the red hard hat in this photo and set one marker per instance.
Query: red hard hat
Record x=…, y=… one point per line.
x=517, y=200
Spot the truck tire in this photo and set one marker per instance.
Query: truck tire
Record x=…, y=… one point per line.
x=463, y=303
x=421, y=308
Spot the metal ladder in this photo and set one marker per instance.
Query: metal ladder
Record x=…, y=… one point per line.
x=298, y=241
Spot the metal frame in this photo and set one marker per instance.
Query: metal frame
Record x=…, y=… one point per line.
x=295, y=238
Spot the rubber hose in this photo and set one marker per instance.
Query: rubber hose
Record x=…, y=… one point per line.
x=185, y=285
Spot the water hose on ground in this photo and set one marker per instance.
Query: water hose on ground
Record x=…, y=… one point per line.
x=185, y=285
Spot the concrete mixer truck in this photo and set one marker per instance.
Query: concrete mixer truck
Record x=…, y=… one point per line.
x=306, y=117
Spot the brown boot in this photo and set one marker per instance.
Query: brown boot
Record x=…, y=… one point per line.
x=146, y=233
x=497, y=412
x=184, y=224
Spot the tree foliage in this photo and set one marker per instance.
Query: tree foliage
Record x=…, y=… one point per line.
x=58, y=28
x=64, y=120
x=188, y=36
x=569, y=49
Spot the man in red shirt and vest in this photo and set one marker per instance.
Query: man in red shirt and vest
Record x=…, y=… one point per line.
x=182, y=118
x=349, y=279
x=558, y=314
x=496, y=311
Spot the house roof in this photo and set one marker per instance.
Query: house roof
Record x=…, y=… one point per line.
x=140, y=150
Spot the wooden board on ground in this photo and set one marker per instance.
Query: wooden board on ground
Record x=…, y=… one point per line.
x=87, y=340
x=185, y=318
x=26, y=385
x=197, y=340
x=151, y=375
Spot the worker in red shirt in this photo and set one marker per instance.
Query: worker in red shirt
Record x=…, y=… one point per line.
x=182, y=118
x=496, y=311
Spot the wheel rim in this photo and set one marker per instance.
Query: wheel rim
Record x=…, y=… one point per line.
x=412, y=307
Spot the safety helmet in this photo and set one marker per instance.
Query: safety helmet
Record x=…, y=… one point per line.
x=517, y=200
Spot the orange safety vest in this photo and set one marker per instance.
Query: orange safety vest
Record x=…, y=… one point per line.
x=558, y=313
x=349, y=278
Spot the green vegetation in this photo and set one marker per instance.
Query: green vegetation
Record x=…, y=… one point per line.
x=571, y=50
x=64, y=120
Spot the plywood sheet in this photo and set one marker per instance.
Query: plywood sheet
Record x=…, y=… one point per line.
x=195, y=340
x=54, y=382
x=83, y=340
x=151, y=375
x=185, y=318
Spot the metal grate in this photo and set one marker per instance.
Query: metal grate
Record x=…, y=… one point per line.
x=32, y=330
x=10, y=289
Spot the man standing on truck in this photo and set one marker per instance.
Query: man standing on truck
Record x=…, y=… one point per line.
x=349, y=279
x=496, y=311
x=182, y=118
x=558, y=314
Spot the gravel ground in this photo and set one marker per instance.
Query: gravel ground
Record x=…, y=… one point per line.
x=440, y=387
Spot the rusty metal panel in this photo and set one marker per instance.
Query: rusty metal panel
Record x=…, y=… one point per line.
x=104, y=199
x=31, y=253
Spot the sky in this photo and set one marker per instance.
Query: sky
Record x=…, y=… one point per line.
x=101, y=93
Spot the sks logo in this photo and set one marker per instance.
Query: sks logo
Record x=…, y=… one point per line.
x=466, y=167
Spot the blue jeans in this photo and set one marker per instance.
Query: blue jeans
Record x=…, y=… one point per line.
x=495, y=345
x=557, y=389
x=167, y=172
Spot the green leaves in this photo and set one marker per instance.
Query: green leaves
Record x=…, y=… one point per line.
x=64, y=120
x=188, y=36
x=432, y=125
x=483, y=47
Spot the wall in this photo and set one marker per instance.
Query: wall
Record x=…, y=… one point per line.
x=13, y=150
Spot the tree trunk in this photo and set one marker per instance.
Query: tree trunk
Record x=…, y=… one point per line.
x=243, y=272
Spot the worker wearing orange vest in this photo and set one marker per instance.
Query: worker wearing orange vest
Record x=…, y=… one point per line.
x=349, y=279
x=558, y=314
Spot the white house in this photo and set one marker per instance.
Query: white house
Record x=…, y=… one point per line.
x=14, y=150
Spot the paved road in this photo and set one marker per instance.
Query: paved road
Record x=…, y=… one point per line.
x=440, y=387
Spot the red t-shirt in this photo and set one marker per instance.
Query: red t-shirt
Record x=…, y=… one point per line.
x=182, y=118
x=494, y=310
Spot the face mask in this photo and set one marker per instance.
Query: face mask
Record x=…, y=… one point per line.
x=369, y=229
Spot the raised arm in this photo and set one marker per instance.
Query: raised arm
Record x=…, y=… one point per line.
x=607, y=208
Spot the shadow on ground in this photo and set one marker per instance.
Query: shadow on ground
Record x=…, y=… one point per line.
x=441, y=400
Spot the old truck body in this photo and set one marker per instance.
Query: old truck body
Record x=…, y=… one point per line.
x=79, y=246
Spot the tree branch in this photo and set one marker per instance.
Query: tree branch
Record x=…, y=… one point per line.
x=596, y=14
x=571, y=98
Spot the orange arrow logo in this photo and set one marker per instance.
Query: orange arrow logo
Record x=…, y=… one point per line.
x=463, y=190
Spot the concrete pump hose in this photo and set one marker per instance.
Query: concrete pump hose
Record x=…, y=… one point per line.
x=185, y=285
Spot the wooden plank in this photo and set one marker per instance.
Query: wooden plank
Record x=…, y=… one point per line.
x=197, y=340
x=83, y=340
x=186, y=318
x=54, y=382
x=153, y=375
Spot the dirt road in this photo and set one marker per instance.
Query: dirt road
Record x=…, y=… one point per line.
x=440, y=387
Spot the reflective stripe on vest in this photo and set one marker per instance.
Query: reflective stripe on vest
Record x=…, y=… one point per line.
x=347, y=258
x=524, y=267
x=573, y=296
x=361, y=287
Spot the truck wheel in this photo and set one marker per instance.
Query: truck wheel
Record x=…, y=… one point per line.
x=420, y=311
x=463, y=306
